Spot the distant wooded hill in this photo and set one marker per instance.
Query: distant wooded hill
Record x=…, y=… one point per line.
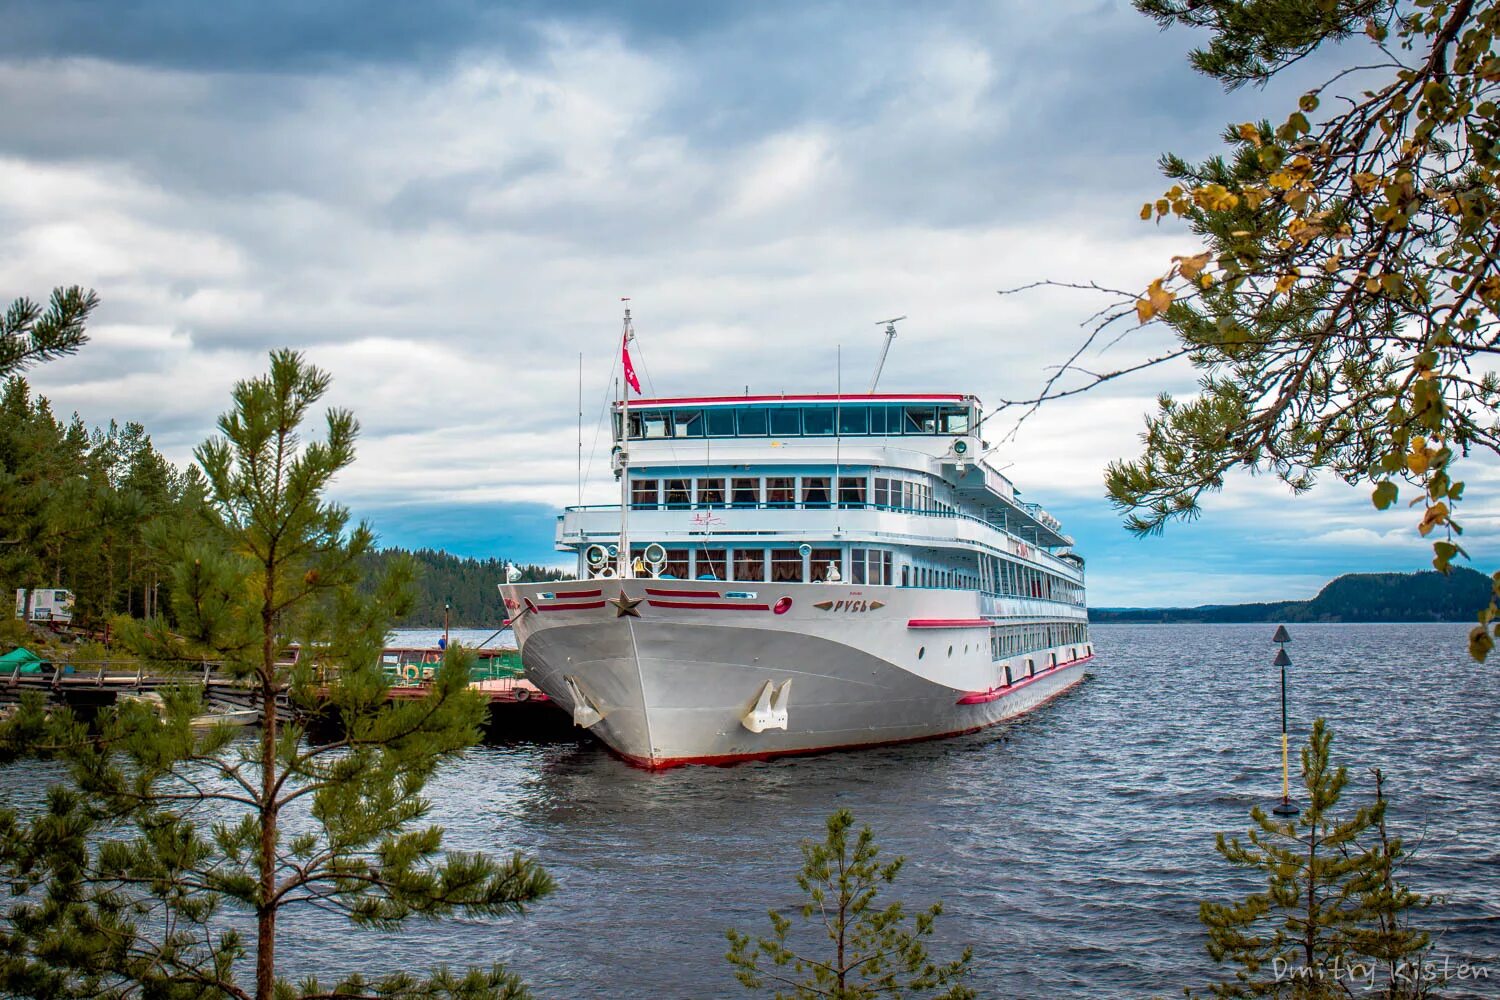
x=469, y=585
x=1355, y=597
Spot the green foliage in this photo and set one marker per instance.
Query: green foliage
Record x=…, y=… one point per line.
x=123, y=880
x=29, y=333
x=1334, y=916
x=875, y=952
x=1343, y=298
x=80, y=509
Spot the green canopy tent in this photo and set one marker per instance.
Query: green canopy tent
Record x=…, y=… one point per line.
x=24, y=658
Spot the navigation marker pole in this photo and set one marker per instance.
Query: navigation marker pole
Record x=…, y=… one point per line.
x=1283, y=661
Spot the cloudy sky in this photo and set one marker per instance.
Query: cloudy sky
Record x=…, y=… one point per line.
x=442, y=203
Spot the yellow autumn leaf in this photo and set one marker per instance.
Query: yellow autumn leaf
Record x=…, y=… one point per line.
x=1250, y=133
x=1143, y=310
x=1420, y=456
x=1206, y=279
x=1286, y=281
x=1159, y=296
x=1146, y=211
x=1191, y=267
x=1435, y=515
x=1365, y=181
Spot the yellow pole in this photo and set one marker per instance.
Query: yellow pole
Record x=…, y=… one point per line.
x=1285, y=794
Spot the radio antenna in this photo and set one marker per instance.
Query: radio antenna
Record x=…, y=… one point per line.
x=890, y=335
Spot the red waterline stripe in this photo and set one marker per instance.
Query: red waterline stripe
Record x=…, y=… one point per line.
x=665, y=763
x=950, y=623
x=559, y=594
x=710, y=605
x=683, y=593
x=582, y=606
x=994, y=694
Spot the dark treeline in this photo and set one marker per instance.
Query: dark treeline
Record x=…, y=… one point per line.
x=1354, y=597
x=99, y=511
x=469, y=586
x=78, y=506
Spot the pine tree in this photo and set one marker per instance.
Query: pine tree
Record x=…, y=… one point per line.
x=1333, y=908
x=875, y=952
x=29, y=333
x=123, y=880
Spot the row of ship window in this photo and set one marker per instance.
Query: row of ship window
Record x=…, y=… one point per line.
x=871, y=566
x=876, y=567
x=784, y=492
x=797, y=421
x=1007, y=641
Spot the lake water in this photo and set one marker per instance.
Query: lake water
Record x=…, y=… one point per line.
x=1070, y=848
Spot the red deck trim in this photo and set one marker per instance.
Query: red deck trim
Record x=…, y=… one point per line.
x=829, y=397
x=648, y=764
x=558, y=595
x=950, y=623
x=682, y=593
x=996, y=693
x=710, y=605
x=576, y=606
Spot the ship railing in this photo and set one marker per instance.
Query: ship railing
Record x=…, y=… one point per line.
x=942, y=514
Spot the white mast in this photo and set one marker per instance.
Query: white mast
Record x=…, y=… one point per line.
x=623, y=565
x=890, y=335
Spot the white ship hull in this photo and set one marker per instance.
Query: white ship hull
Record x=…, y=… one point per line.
x=672, y=672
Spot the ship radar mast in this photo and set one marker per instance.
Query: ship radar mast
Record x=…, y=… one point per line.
x=623, y=563
x=890, y=335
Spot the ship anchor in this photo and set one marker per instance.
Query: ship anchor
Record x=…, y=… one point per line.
x=770, y=708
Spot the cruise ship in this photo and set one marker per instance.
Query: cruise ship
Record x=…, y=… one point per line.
x=798, y=573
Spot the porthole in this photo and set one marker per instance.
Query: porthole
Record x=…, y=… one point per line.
x=921, y=652
x=950, y=650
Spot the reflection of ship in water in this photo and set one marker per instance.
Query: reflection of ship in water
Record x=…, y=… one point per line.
x=787, y=574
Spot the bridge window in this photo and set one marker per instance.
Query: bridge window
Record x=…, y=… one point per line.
x=720, y=421
x=746, y=492
x=883, y=493
x=815, y=491
x=752, y=423
x=954, y=420
x=710, y=493
x=854, y=420
x=920, y=420
x=878, y=420
x=653, y=424
x=817, y=420
x=676, y=493
x=786, y=422
x=643, y=493
x=688, y=423
x=786, y=566
x=750, y=565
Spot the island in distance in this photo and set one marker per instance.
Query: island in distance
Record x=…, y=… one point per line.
x=1354, y=597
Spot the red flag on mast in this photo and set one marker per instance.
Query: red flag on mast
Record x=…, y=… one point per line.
x=630, y=378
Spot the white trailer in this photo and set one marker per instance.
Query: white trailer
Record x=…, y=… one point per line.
x=47, y=605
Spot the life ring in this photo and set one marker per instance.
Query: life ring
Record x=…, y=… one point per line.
x=522, y=694
x=410, y=672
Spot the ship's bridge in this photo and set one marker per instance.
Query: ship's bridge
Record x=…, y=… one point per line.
x=933, y=434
